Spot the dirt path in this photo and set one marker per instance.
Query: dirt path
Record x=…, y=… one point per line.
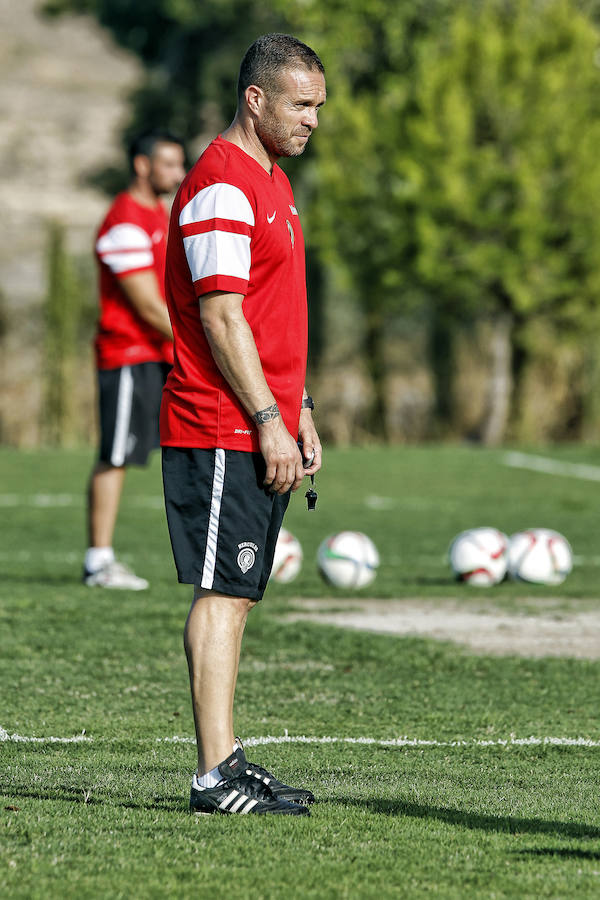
x=560, y=634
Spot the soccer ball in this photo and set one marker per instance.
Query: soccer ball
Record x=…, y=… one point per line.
x=539, y=555
x=478, y=556
x=348, y=559
x=288, y=557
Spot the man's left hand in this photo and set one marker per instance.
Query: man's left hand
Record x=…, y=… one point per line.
x=307, y=434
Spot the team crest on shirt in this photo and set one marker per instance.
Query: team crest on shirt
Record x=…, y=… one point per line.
x=291, y=231
x=247, y=555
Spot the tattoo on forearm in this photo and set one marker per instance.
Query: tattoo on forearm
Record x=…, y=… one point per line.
x=265, y=415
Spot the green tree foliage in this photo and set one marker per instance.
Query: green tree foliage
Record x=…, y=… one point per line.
x=458, y=164
x=504, y=139
x=455, y=174
x=367, y=180
x=505, y=147
x=191, y=51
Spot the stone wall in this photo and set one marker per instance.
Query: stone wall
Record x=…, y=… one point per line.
x=63, y=100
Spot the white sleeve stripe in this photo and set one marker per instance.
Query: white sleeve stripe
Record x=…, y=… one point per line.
x=218, y=201
x=125, y=262
x=124, y=236
x=218, y=253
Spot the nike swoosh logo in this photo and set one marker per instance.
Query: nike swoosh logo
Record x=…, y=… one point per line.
x=270, y=219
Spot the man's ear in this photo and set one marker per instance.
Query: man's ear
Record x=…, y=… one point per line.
x=255, y=98
x=142, y=165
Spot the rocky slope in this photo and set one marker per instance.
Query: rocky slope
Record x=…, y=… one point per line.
x=63, y=89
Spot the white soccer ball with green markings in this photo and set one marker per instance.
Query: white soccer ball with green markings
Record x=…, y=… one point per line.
x=287, y=561
x=348, y=559
x=539, y=555
x=478, y=556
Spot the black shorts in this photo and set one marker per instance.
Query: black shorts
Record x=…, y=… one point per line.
x=129, y=400
x=223, y=523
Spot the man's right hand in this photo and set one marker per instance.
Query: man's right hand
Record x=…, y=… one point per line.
x=282, y=457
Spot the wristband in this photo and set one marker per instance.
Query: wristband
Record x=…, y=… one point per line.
x=307, y=403
x=266, y=415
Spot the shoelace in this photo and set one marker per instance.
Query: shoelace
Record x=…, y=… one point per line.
x=255, y=771
x=251, y=786
x=258, y=770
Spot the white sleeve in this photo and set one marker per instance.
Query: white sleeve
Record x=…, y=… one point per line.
x=125, y=248
x=216, y=225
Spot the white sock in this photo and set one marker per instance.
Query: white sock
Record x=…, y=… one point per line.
x=209, y=780
x=97, y=557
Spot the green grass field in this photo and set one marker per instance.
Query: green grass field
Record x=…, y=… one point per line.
x=106, y=815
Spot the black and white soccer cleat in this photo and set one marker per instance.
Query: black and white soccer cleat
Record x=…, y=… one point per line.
x=278, y=788
x=240, y=792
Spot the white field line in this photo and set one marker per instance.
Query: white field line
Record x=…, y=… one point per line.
x=551, y=466
x=514, y=459
x=379, y=504
x=404, y=741
x=511, y=741
x=22, y=739
x=55, y=501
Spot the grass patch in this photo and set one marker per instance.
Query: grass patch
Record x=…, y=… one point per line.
x=106, y=817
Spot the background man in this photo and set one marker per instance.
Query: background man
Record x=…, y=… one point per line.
x=133, y=343
x=234, y=403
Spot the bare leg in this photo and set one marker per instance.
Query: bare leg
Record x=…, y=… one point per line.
x=104, y=497
x=212, y=639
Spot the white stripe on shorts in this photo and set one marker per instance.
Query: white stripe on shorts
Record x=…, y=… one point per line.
x=124, y=403
x=210, y=555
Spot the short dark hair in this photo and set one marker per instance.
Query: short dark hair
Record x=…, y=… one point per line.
x=268, y=56
x=143, y=144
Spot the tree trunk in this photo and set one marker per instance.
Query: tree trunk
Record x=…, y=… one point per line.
x=442, y=362
x=501, y=382
x=590, y=425
x=375, y=359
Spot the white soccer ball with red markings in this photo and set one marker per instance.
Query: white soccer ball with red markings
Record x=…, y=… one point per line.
x=348, y=559
x=287, y=561
x=539, y=555
x=479, y=556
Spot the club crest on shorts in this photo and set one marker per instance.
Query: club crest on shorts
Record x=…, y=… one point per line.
x=247, y=555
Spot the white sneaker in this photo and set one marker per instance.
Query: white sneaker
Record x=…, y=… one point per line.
x=115, y=575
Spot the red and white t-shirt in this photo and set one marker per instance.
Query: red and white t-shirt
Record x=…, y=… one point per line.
x=132, y=238
x=234, y=228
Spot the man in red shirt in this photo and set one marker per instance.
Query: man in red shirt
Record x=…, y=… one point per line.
x=134, y=349
x=235, y=405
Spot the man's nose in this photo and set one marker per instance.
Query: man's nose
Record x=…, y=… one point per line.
x=310, y=118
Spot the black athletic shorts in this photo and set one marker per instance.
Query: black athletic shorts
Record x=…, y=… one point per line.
x=223, y=523
x=129, y=400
